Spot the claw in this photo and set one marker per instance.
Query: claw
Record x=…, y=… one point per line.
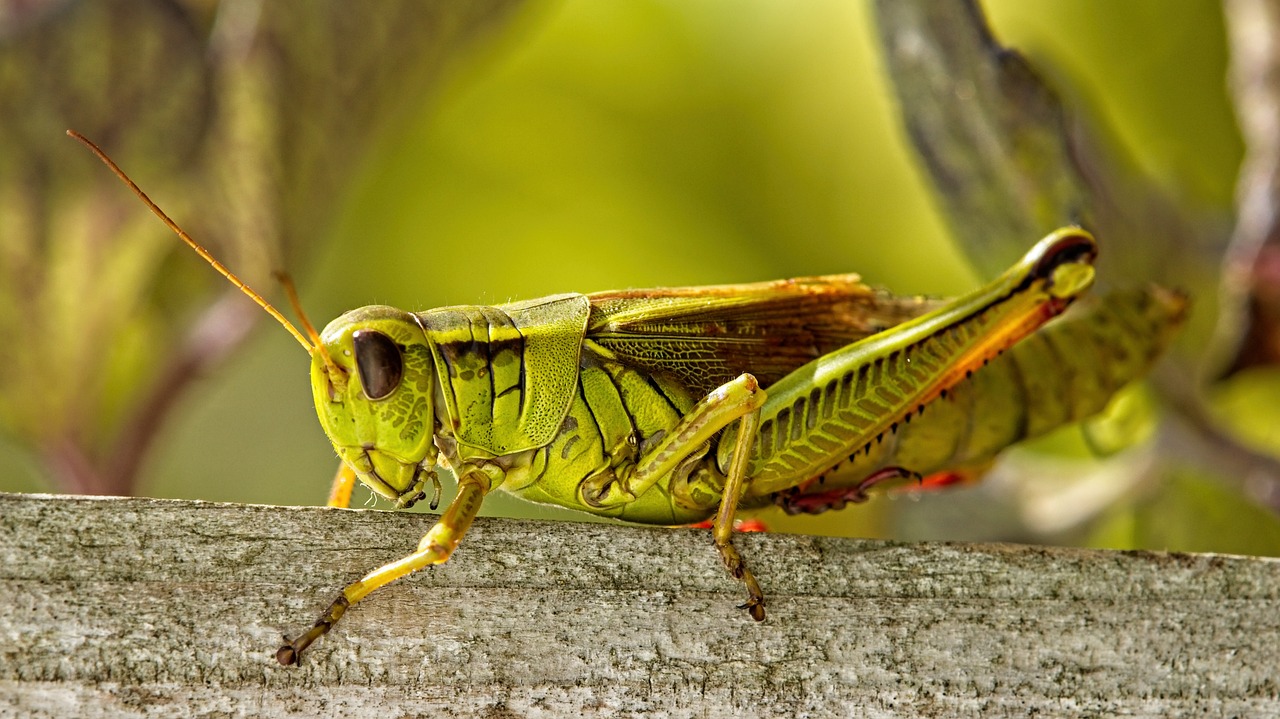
x=754, y=607
x=287, y=655
x=435, y=497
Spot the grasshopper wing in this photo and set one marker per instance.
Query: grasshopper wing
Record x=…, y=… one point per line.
x=1065, y=372
x=706, y=336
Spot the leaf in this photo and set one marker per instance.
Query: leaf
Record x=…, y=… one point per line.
x=989, y=131
x=1008, y=164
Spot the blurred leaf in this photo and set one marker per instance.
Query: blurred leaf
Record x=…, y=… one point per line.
x=1010, y=163
x=1131, y=418
x=253, y=112
x=1161, y=95
x=991, y=134
x=1191, y=513
x=1246, y=407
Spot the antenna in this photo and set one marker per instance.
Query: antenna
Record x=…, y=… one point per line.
x=221, y=268
x=336, y=373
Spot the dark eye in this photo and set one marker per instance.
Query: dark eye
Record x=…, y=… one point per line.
x=379, y=363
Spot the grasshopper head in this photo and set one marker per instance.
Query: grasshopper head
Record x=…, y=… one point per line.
x=371, y=374
x=375, y=398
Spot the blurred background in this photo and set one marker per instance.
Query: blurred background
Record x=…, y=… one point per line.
x=483, y=152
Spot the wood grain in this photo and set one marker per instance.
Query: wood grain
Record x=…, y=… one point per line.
x=139, y=607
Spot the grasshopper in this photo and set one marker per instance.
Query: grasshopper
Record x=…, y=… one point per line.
x=672, y=406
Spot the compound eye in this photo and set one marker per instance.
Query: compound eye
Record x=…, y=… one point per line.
x=379, y=363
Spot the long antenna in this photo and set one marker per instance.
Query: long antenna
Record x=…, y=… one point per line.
x=221, y=268
x=336, y=373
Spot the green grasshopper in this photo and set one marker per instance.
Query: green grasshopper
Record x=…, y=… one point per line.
x=672, y=406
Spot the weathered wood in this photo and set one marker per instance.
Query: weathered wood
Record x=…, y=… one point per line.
x=136, y=607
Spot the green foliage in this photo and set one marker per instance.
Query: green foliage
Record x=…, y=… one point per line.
x=1190, y=513
x=248, y=115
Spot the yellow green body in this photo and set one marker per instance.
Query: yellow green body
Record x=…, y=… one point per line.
x=566, y=393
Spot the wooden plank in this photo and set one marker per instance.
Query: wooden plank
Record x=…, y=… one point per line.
x=139, y=607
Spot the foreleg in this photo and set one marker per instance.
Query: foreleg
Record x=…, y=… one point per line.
x=435, y=548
